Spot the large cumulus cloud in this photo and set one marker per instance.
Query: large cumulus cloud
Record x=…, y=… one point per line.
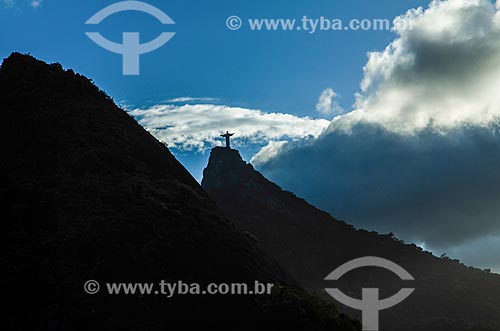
x=443, y=72
x=420, y=155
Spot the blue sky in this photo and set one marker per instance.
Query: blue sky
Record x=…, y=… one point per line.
x=279, y=71
x=245, y=68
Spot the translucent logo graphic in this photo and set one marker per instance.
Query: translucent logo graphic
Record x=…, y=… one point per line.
x=131, y=49
x=370, y=304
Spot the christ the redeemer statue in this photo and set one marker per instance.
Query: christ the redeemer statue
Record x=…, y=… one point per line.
x=227, y=135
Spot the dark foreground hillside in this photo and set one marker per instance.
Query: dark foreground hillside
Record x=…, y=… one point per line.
x=88, y=194
x=310, y=243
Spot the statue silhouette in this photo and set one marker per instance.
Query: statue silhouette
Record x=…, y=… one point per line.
x=227, y=135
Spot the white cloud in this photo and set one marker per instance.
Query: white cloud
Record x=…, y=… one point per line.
x=36, y=3
x=197, y=127
x=326, y=104
x=190, y=99
x=269, y=151
x=444, y=72
x=32, y=3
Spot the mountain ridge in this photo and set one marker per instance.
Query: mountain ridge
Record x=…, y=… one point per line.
x=311, y=243
x=88, y=194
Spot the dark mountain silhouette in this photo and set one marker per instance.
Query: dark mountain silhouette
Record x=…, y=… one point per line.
x=310, y=244
x=87, y=193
